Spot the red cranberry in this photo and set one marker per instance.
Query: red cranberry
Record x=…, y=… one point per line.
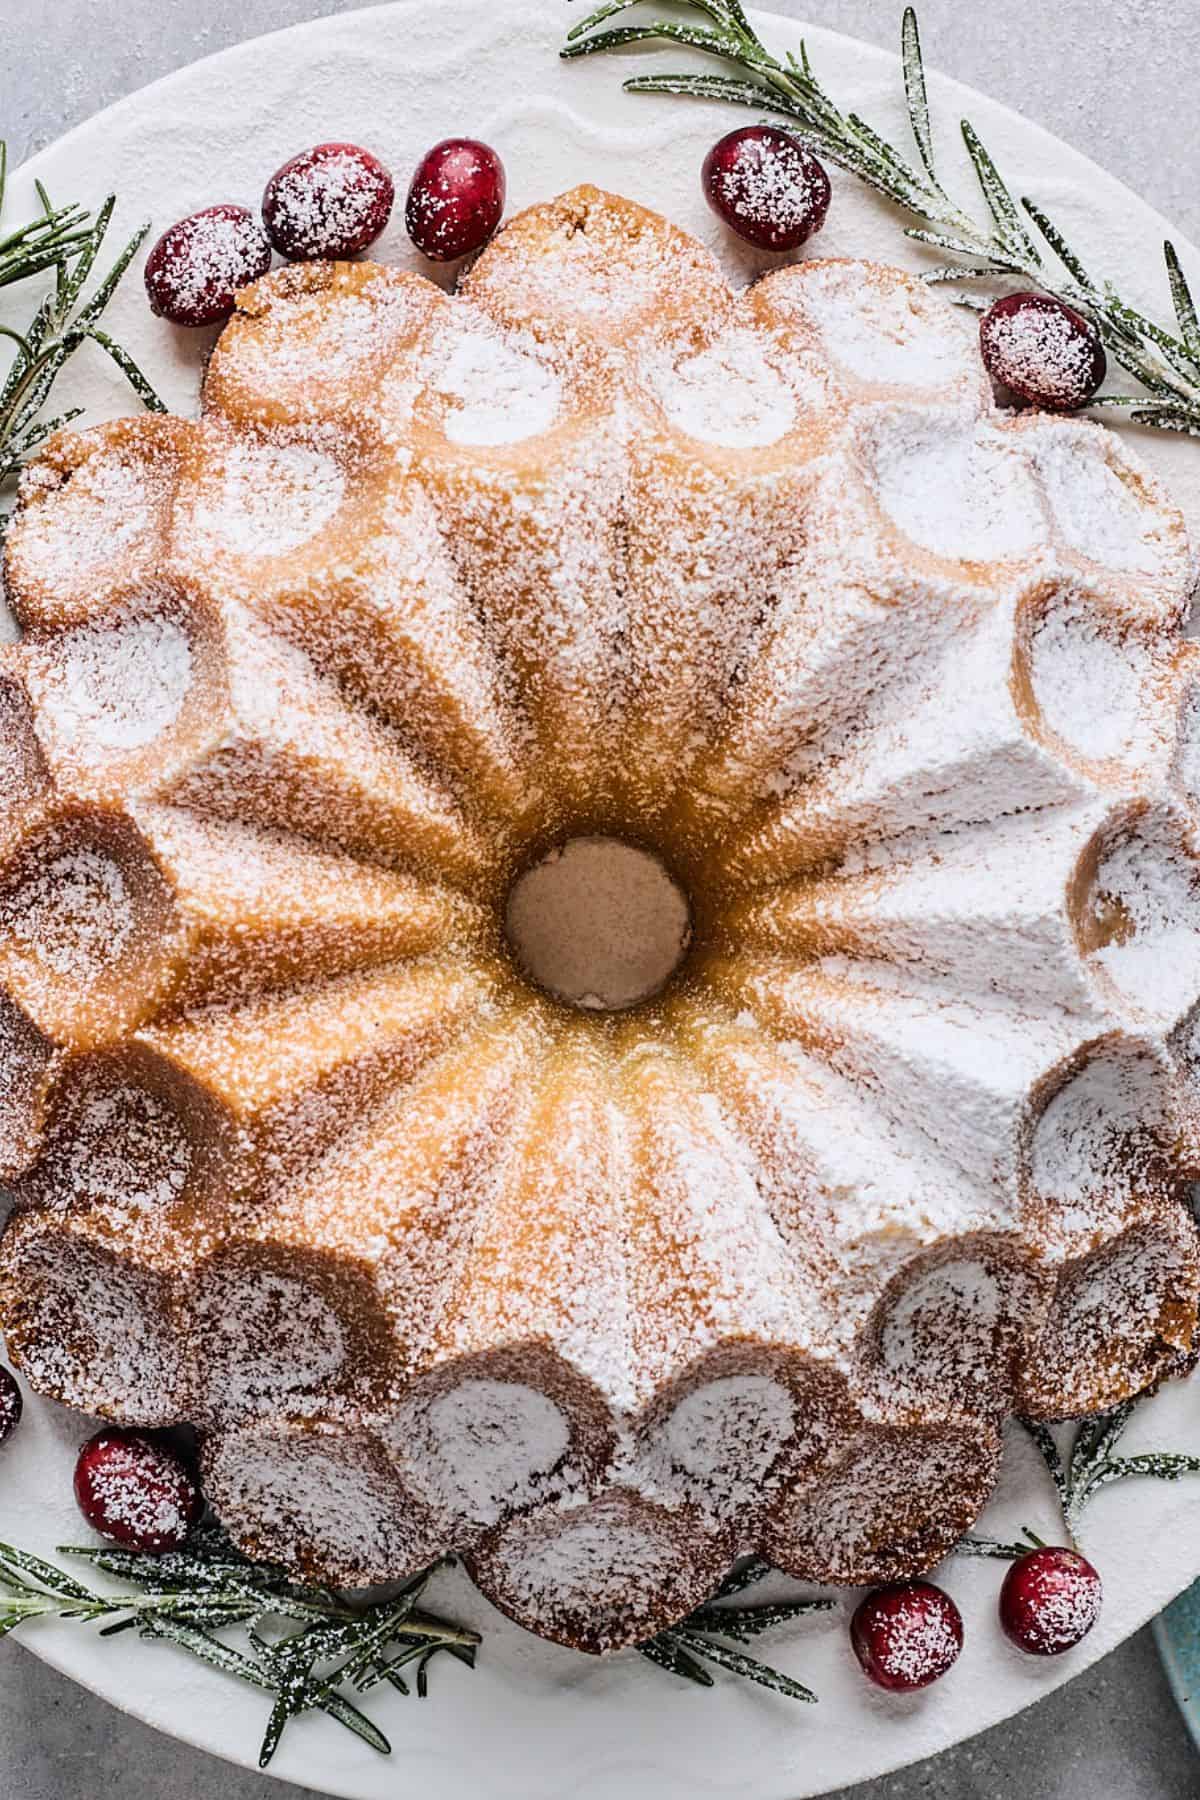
x=1043, y=350
x=1050, y=1600
x=134, y=1492
x=330, y=201
x=455, y=199
x=766, y=186
x=195, y=270
x=906, y=1635
x=10, y=1405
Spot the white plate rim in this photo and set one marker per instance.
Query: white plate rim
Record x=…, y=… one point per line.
x=192, y=1723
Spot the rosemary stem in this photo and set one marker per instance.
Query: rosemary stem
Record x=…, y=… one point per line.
x=434, y=1631
x=1165, y=362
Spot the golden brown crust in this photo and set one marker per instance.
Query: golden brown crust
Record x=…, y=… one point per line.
x=895, y=684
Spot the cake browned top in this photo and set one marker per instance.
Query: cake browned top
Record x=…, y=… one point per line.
x=892, y=680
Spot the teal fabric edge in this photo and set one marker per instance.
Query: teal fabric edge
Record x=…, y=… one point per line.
x=1177, y=1636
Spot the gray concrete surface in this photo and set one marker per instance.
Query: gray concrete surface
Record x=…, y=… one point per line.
x=1116, y=77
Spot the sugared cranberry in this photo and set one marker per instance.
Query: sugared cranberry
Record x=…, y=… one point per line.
x=1043, y=350
x=455, y=199
x=134, y=1492
x=195, y=270
x=906, y=1635
x=1050, y=1600
x=330, y=201
x=766, y=186
x=10, y=1405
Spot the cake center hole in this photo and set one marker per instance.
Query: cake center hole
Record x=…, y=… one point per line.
x=598, y=923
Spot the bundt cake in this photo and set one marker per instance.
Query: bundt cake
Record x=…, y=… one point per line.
x=598, y=1287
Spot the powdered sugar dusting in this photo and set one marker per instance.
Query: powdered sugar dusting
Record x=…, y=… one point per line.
x=1103, y=506
x=878, y=325
x=99, y=523
x=135, y=1493
x=73, y=914
x=199, y=264
x=954, y=487
x=126, y=1148
x=765, y=585
x=21, y=773
x=775, y=189
x=27, y=1065
x=269, y=1337
x=108, y=690
x=92, y=1326
x=326, y=1501
x=1066, y=1616
x=605, y=1573
x=1043, y=350
x=1050, y=1600
x=1146, y=911
x=325, y=200
x=1092, y=683
x=499, y=387
x=917, y=1640
x=729, y=393
x=893, y=1505
x=943, y=1330
x=479, y=1449
x=1100, y=1142
x=719, y=1445
x=264, y=499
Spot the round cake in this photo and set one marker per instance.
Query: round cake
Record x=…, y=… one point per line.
x=737, y=641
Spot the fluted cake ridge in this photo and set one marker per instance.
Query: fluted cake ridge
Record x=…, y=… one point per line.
x=895, y=684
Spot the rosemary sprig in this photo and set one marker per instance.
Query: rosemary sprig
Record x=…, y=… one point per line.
x=684, y=1649
x=197, y=1597
x=188, y=1596
x=46, y=242
x=1011, y=243
x=68, y=241
x=974, y=1545
x=1090, y=1463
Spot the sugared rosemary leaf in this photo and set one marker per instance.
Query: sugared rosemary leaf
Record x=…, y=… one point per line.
x=741, y=1577
x=668, y=1653
x=1097, y=1437
x=1185, y=306
x=1000, y=203
x=914, y=89
x=46, y=1574
x=1043, y=1437
x=974, y=1545
x=746, y=1622
x=347, y=1714
x=679, y=1647
x=1168, y=367
x=971, y=1545
x=188, y=1597
x=738, y=1663
x=1090, y=1464
x=66, y=240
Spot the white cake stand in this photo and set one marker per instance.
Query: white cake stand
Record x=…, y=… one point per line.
x=533, y=1722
